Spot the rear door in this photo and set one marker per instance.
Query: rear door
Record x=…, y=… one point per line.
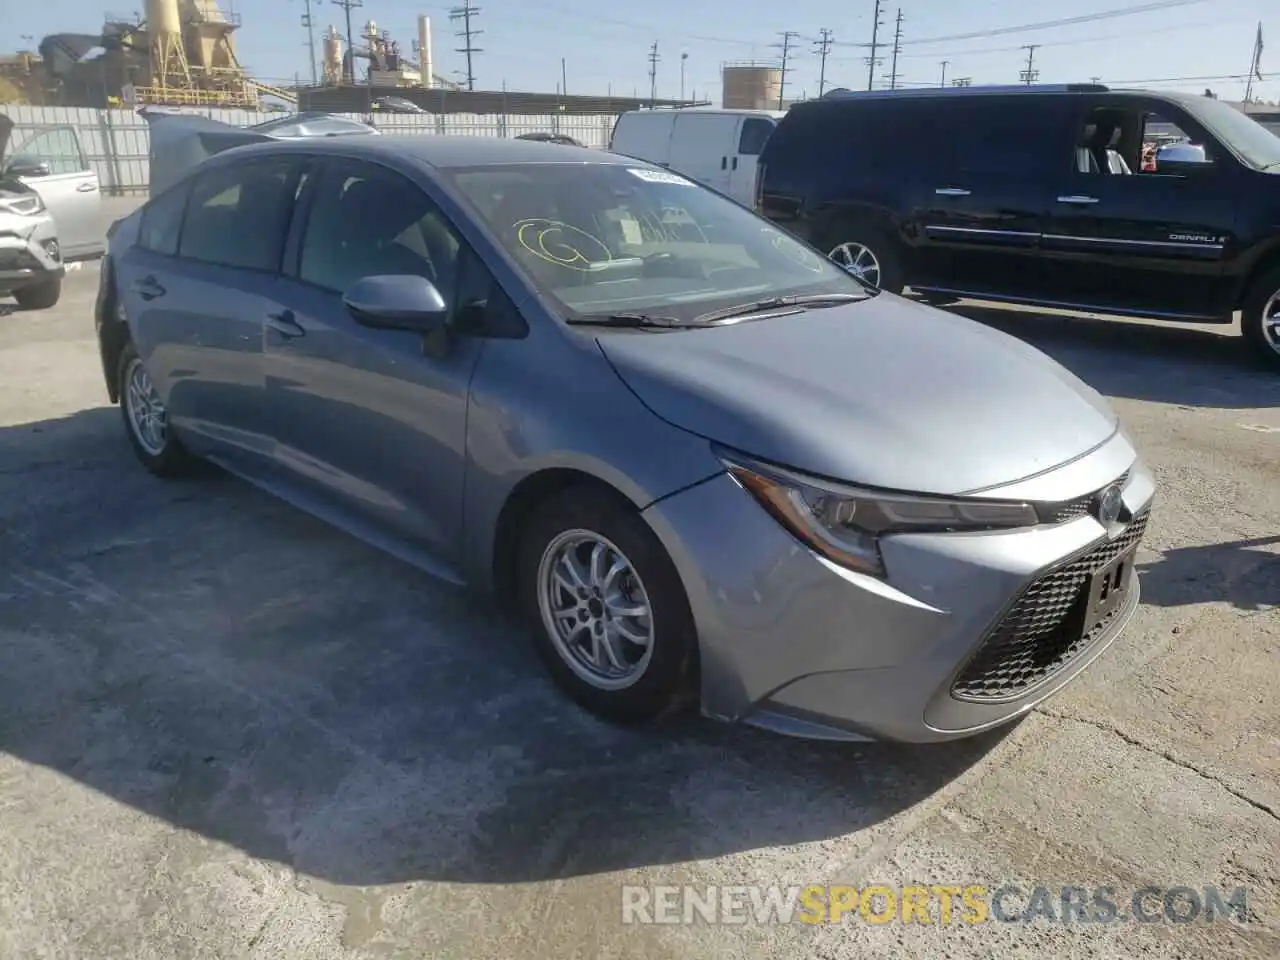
x=1145, y=241
x=753, y=133
x=702, y=145
x=983, y=169
x=198, y=301
x=68, y=187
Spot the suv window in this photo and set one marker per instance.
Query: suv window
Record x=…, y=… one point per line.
x=1128, y=140
x=162, y=221
x=366, y=221
x=755, y=131
x=983, y=133
x=238, y=214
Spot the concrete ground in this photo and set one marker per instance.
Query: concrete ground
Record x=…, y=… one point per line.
x=228, y=731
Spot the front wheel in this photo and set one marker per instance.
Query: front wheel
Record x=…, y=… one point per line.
x=606, y=607
x=1260, y=319
x=869, y=255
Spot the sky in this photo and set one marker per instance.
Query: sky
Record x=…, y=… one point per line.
x=1165, y=44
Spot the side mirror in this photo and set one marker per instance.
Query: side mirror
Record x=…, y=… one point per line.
x=21, y=166
x=399, y=302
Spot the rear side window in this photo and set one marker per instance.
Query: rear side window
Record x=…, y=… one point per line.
x=755, y=131
x=238, y=214
x=162, y=221
x=1019, y=135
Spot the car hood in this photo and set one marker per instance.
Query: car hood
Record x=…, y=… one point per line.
x=885, y=392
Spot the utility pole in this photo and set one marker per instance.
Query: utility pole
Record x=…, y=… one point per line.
x=347, y=6
x=653, y=73
x=872, y=61
x=822, y=47
x=465, y=13
x=787, y=37
x=1029, y=75
x=309, y=23
x=943, y=82
x=897, y=49
x=564, y=78
x=1095, y=79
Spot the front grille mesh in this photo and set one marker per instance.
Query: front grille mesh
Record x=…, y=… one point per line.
x=1077, y=508
x=1044, y=629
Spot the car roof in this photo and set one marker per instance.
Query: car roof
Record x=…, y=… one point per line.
x=444, y=151
x=844, y=95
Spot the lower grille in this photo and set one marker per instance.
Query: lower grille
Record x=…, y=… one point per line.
x=17, y=260
x=1044, y=629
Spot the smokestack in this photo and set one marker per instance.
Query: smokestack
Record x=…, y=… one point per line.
x=424, y=51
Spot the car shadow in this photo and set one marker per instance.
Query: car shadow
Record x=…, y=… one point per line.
x=1124, y=358
x=1244, y=573
x=211, y=657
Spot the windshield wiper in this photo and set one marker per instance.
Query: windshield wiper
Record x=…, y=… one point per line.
x=626, y=320
x=777, y=303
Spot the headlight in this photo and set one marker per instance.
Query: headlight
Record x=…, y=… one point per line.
x=26, y=206
x=844, y=523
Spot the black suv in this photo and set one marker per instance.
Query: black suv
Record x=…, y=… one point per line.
x=1040, y=195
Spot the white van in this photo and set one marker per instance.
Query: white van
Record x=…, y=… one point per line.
x=716, y=147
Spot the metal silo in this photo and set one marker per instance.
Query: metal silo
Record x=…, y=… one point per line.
x=750, y=85
x=168, y=56
x=332, y=56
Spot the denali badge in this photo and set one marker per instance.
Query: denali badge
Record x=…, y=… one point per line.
x=1110, y=505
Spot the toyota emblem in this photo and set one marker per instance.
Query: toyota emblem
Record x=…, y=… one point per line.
x=1110, y=505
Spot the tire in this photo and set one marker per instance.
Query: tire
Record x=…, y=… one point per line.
x=39, y=296
x=660, y=680
x=166, y=458
x=1262, y=337
x=842, y=241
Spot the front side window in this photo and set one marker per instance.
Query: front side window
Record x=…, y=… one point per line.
x=238, y=214
x=609, y=238
x=58, y=149
x=755, y=131
x=366, y=221
x=162, y=221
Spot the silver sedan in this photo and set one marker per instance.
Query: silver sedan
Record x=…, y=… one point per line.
x=704, y=463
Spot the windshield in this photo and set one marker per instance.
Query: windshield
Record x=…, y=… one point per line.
x=602, y=239
x=1258, y=146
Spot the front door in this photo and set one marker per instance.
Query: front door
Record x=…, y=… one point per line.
x=373, y=421
x=744, y=163
x=69, y=188
x=702, y=145
x=1123, y=237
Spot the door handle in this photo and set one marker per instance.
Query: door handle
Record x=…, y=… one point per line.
x=284, y=324
x=87, y=188
x=724, y=163
x=1075, y=198
x=735, y=163
x=148, y=288
x=951, y=192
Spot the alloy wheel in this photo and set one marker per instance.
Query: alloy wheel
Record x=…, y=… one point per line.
x=859, y=260
x=147, y=415
x=595, y=609
x=1271, y=322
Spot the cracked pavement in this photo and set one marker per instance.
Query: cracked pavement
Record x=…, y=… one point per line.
x=228, y=731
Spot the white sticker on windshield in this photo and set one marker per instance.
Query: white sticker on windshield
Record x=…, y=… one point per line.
x=659, y=176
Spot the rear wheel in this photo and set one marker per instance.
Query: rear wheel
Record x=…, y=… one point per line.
x=40, y=296
x=606, y=607
x=146, y=421
x=1260, y=319
x=869, y=254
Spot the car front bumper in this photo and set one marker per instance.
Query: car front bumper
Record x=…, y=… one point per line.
x=794, y=643
x=29, y=252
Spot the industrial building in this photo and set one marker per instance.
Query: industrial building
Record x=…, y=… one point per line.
x=750, y=85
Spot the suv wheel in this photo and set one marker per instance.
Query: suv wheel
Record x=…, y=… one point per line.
x=869, y=255
x=40, y=296
x=1260, y=319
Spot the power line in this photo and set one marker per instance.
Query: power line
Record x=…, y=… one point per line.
x=347, y=6
x=822, y=47
x=468, y=34
x=897, y=49
x=872, y=61
x=653, y=73
x=1029, y=75
x=783, y=69
x=1063, y=22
